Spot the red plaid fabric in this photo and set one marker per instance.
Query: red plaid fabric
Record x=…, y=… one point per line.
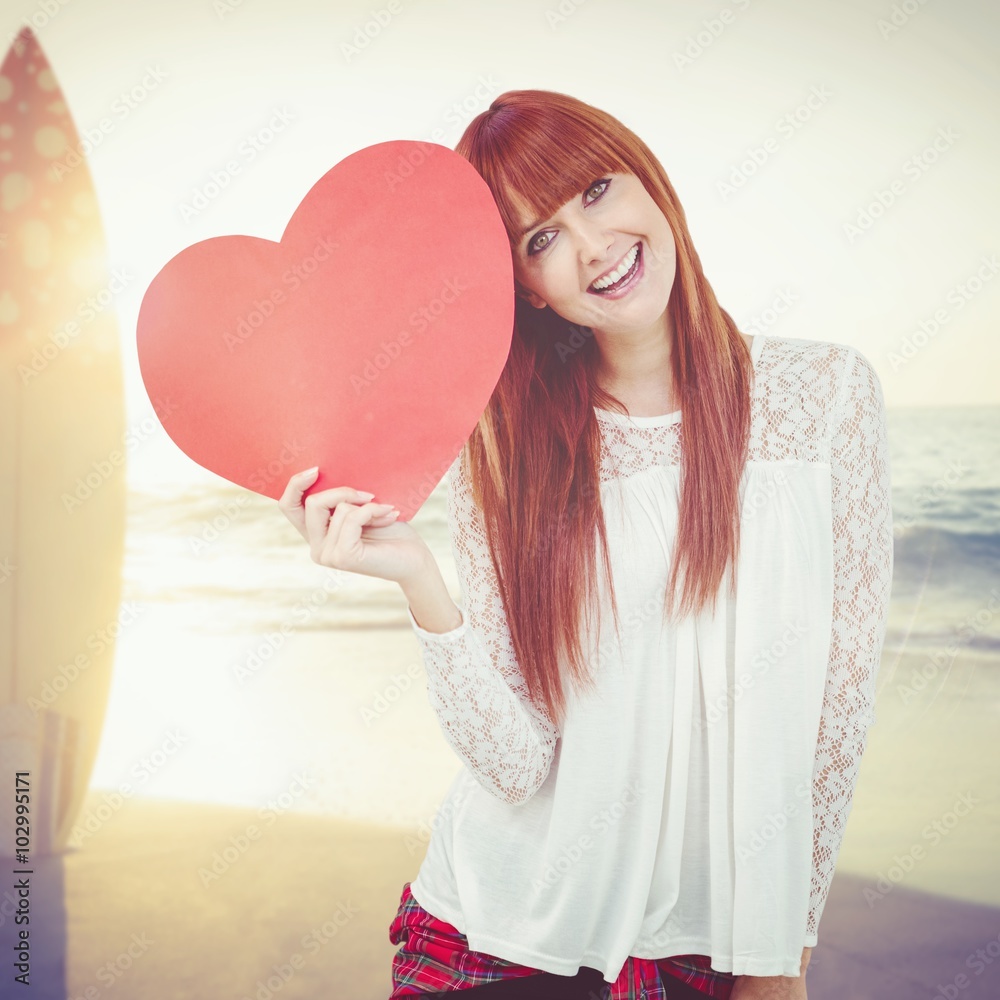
x=434, y=957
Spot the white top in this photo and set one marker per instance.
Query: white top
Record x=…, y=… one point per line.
x=695, y=800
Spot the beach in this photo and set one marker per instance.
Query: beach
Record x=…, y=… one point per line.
x=180, y=900
x=167, y=899
x=270, y=764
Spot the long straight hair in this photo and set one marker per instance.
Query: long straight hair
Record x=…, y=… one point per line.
x=534, y=456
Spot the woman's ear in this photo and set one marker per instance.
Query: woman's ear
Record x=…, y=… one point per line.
x=532, y=298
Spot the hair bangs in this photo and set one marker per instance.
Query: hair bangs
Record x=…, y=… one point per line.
x=553, y=159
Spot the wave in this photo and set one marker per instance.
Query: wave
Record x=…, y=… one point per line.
x=926, y=547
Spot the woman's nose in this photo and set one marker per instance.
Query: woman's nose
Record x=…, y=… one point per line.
x=595, y=244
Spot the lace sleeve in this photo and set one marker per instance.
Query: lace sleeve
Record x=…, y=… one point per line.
x=474, y=683
x=863, y=561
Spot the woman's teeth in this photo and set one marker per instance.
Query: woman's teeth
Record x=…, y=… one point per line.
x=601, y=284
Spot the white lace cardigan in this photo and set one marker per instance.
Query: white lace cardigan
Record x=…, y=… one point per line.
x=696, y=801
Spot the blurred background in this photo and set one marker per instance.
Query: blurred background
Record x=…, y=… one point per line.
x=837, y=166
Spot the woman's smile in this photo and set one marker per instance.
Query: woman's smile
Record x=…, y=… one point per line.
x=622, y=278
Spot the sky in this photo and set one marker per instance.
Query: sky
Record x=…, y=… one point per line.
x=836, y=161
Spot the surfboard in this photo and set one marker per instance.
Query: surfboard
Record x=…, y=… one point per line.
x=62, y=458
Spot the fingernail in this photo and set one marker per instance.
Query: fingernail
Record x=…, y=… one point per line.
x=365, y=494
x=313, y=469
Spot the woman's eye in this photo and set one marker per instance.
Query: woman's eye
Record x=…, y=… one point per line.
x=601, y=186
x=534, y=246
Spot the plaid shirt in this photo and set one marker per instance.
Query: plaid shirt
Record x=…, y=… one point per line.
x=435, y=957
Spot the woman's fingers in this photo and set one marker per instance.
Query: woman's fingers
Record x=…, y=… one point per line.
x=311, y=514
x=333, y=523
x=290, y=501
x=318, y=510
x=338, y=545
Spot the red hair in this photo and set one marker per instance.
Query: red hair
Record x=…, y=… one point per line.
x=534, y=456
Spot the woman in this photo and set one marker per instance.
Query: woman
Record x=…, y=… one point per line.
x=660, y=757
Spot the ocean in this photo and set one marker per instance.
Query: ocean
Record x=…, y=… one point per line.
x=232, y=555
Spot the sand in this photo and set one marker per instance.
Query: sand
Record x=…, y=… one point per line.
x=299, y=909
x=303, y=910
x=303, y=913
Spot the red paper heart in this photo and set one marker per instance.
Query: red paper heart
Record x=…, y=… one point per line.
x=367, y=342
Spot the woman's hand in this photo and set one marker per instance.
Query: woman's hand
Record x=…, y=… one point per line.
x=773, y=987
x=346, y=532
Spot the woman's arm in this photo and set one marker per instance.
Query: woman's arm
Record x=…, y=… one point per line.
x=773, y=987
x=430, y=604
x=474, y=682
x=863, y=561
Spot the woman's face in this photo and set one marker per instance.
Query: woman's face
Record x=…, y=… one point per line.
x=612, y=229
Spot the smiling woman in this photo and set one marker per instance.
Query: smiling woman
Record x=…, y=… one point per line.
x=656, y=812
x=577, y=191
